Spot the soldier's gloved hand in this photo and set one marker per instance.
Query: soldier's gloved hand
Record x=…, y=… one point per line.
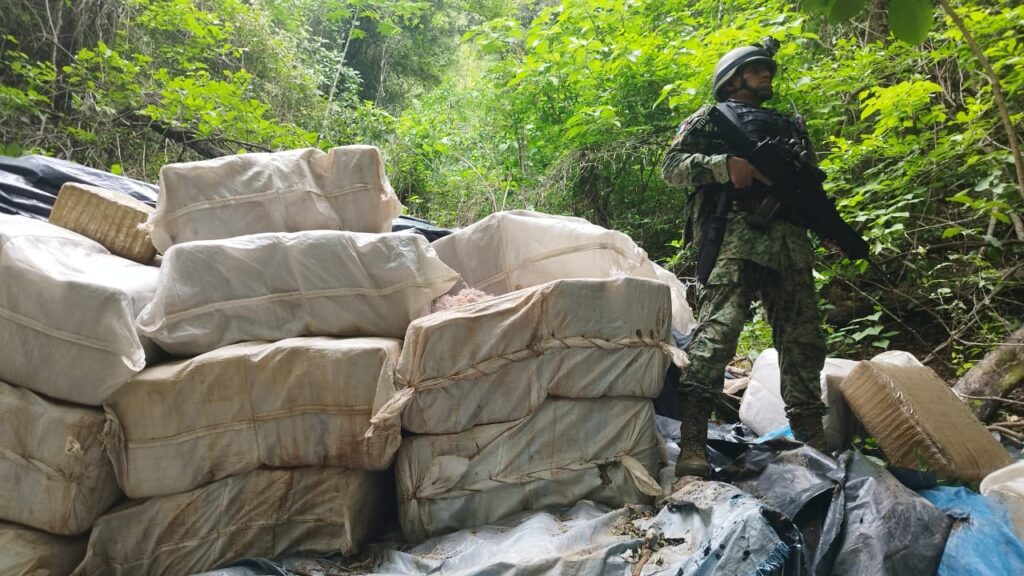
x=742, y=173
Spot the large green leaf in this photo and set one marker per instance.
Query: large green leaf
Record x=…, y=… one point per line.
x=910, y=19
x=822, y=6
x=845, y=9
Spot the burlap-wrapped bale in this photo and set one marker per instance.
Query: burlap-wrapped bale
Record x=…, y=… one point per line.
x=115, y=220
x=497, y=360
x=268, y=513
x=28, y=552
x=918, y=420
x=512, y=250
x=275, y=286
x=604, y=449
x=55, y=473
x=67, y=312
x=297, y=402
x=308, y=189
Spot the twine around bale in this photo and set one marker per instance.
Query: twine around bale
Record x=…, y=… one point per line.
x=388, y=415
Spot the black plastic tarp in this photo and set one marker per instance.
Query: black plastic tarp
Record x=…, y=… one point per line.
x=855, y=516
x=29, y=184
x=419, y=226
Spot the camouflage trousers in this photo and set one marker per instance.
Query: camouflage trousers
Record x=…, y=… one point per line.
x=790, y=303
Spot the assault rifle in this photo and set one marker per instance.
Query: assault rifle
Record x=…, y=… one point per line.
x=796, y=183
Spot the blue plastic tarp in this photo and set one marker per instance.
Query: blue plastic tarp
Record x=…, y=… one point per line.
x=982, y=542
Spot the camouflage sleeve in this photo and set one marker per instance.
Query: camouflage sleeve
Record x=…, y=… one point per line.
x=695, y=157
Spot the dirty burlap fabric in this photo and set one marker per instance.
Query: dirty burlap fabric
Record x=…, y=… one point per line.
x=28, y=552
x=275, y=286
x=307, y=189
x=55, y=474
x=918, y=419
x=604, y=449
x=497, y=360
x=115, y=220
x=268, y=513
x=67, y=312
x=516, y=249
x=297, y=402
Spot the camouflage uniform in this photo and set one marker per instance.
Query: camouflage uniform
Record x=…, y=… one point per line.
x=773, y=264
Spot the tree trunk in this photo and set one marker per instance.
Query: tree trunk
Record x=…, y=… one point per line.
x=878, y=21
x=996, y=375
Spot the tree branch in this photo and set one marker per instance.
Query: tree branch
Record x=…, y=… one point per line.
x=178, y=134
x=997, y=93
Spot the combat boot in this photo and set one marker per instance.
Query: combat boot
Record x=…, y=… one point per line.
x=693, y=438
x=808, y=429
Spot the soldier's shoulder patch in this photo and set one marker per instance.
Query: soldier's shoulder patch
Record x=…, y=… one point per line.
x=697, y=122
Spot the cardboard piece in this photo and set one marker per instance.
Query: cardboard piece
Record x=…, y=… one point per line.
x=920, y=422
x=115, y=220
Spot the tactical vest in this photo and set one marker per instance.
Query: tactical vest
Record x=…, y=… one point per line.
x=759, y=124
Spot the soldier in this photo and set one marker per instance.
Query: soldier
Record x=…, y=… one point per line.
x=768, y=260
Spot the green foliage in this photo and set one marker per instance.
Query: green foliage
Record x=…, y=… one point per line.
x=839, y=10
x=755, y=337
x=910, y=19
x=170, y=80
x=862, y=337
x=580, y=101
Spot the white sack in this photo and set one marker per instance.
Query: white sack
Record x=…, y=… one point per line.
x=1006, y=486
x=292, y=191
x=268, y=513
x=898, y=358
x=67, y=312
x=297, y=402
x=763, y=410
x=683, y=319
x=603, y=449
x=28, y=552
x=275, y=286
x=54, y=472
x=511, y=250
x=498, y=359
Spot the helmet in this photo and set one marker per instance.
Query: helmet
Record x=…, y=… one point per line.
x=734, y=59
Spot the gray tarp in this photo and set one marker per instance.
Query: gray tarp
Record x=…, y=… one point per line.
x=704, y=528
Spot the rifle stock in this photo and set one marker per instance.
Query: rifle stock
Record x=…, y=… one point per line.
x=711, y=243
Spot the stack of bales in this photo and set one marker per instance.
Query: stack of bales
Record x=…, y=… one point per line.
x=67, y=340
x=283, y=303
x=539, y=396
